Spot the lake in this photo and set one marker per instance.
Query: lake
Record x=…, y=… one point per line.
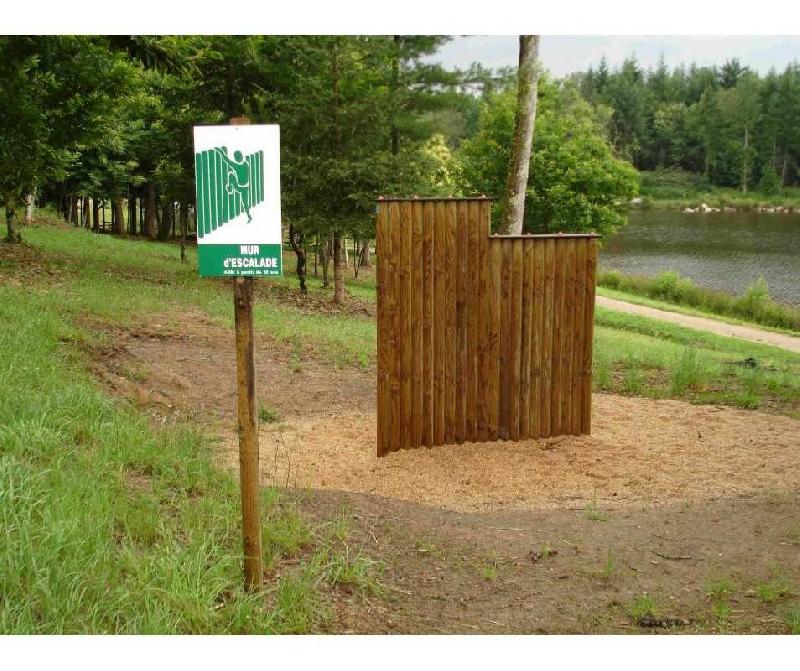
x=725, y=250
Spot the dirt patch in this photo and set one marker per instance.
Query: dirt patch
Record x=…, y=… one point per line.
x=185, y=367
x=640, y=451
x=456, y=572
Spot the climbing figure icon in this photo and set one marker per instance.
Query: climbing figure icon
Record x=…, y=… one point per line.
x=238, y=181
x=227, y=186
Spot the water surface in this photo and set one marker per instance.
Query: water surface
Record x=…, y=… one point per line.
x=722, y=250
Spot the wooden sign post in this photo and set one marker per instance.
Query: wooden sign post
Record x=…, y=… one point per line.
x=237, y=172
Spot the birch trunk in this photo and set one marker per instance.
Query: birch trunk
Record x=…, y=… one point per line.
x=525, y=119
x=28, y=209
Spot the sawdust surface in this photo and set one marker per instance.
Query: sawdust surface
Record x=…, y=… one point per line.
x=640, y=451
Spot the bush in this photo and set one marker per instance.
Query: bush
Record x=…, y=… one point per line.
x=770, y=183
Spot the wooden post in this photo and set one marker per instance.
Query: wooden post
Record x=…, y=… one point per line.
x=248, y=424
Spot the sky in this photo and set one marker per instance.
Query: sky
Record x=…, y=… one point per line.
x=562, y=55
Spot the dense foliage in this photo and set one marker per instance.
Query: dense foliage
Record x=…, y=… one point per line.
x=576, y=184
x=728, y=124
x=109, y=119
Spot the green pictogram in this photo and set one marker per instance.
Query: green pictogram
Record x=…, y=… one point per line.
x=226, y=186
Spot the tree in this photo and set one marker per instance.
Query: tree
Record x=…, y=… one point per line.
x=513, y=209
x=58, y=90
x=577, y=184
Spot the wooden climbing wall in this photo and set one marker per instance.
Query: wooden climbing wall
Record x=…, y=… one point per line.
x=480, y=337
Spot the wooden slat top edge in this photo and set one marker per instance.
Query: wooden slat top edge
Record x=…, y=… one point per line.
x=391, y=199
x=539, y=236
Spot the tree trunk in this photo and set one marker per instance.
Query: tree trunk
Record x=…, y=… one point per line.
x=132, y=212
x=297, y=238
x=13, y=234
x=365, y=262
x=165, y=225
x=73, y=210
x=525, y=118
x=95, y=215
x=327, y=252
x=28, y=209
x=119, y=216
x=150, y=224
x=85, y=209
x=184, y=227
x=338, y=269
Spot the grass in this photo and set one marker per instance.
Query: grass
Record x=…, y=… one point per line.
x=594, y=513
x=108, y=524
x=268, y=414
x=778, y=588
x=609, y=566
x=637, y=355
x=676, y=189
x=792, y=619
x=720, y=589
x=642, y=606
x=670, y=291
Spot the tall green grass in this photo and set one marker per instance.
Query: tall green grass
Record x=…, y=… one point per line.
x=108, y=525
x=755, y=305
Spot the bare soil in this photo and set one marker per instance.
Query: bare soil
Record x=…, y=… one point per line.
x=662, y=498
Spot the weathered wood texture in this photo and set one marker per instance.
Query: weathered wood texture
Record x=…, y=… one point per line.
x=480, y=337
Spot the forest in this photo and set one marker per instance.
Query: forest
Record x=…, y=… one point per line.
x=104, y=123
x=107, y=121
x=726, y=125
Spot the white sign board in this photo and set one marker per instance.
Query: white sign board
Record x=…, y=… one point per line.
x=237, y=177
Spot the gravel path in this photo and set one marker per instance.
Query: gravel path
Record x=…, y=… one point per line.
x=753, y=333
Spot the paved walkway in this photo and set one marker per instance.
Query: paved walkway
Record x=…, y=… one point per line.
x=753, y=333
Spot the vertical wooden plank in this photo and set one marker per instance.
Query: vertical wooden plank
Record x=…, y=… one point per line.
x=537, y=304
x=493, y=327
x=558, y=332
x=404, y=297
x=515, y=339
x=586, y=396
x=439, y=325
x=567, y=334
x=460, y=430
x=547, y=335
x=506, y=262
x=484, y=325
x=428, y=226
x=382, y=253
x=417, y=323
x=527, y=340
x=579, y=334
x=395, y=326
x=450, y=298
x=475, y=236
